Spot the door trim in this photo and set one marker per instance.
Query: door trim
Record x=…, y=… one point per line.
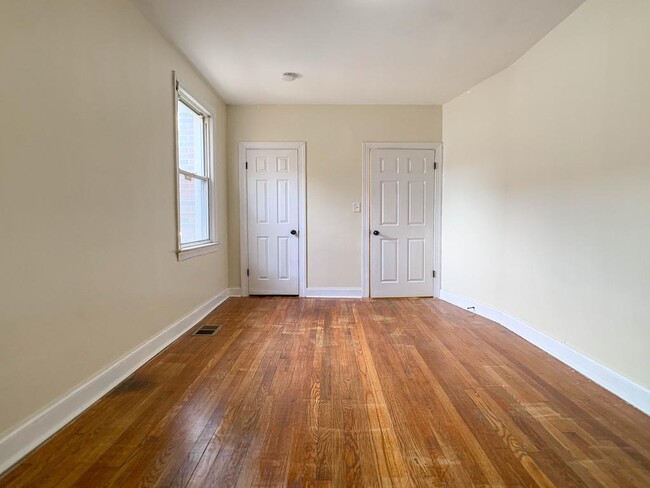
x=365, y=208
x=302, y=210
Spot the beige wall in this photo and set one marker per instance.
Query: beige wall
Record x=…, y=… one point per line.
x=87, y=234
x=547, y=187
x=334, y=135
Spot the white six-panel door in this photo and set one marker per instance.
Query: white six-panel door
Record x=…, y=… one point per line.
x=273, y=233
x=401, y=222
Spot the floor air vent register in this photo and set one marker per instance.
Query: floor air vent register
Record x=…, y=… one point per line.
x=207, y=330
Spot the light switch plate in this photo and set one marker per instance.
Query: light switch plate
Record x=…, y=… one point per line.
x=356, y=207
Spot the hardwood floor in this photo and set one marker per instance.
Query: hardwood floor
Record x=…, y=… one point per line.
x=309, y=392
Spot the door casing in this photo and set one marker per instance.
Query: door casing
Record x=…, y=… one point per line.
x=365, y=208
x=302, y=210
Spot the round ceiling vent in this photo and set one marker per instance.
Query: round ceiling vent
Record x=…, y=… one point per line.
x=289, y=76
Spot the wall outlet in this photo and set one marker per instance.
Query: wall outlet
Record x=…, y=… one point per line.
x=356, y=207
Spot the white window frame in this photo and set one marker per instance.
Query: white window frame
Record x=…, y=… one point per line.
x=190, y=250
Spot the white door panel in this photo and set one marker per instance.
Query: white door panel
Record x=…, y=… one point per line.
x=416, y=261
x=401, y=212
x=272, y=215
x=389, y=202
x=389, y=259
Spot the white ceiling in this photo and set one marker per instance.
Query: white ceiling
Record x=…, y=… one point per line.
x=352, y=51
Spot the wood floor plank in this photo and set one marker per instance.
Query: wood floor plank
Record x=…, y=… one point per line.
x=334, y=392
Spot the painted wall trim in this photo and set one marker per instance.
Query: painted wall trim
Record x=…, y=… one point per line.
x=18, y=443
x=234, y=292
x=619, y=385
x=334, y=293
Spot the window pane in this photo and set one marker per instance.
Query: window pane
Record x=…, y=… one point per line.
x=191, y=151
x=194, y=210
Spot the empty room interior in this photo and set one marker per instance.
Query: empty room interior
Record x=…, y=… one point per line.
x=335, y=243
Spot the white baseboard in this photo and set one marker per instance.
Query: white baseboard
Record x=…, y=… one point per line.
x=318, y=292
x=39, y=428
x=235, y=292
x=333, y=293
x=479, y=308
x=619, y=385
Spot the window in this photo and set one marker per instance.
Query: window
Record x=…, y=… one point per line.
x=195, y=176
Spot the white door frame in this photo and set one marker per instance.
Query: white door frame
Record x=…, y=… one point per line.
x=302, y=210
x=437, y=208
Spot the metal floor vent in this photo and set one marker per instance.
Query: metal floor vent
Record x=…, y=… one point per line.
x=207, y=330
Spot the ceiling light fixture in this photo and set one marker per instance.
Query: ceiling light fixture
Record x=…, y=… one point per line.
x=290, y=76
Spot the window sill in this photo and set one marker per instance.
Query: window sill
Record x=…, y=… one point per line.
x=192, y=252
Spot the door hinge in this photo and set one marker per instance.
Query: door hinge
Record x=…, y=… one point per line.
x=435, y=165
x=246, y=164
x=434, y=273
x=248, y=272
